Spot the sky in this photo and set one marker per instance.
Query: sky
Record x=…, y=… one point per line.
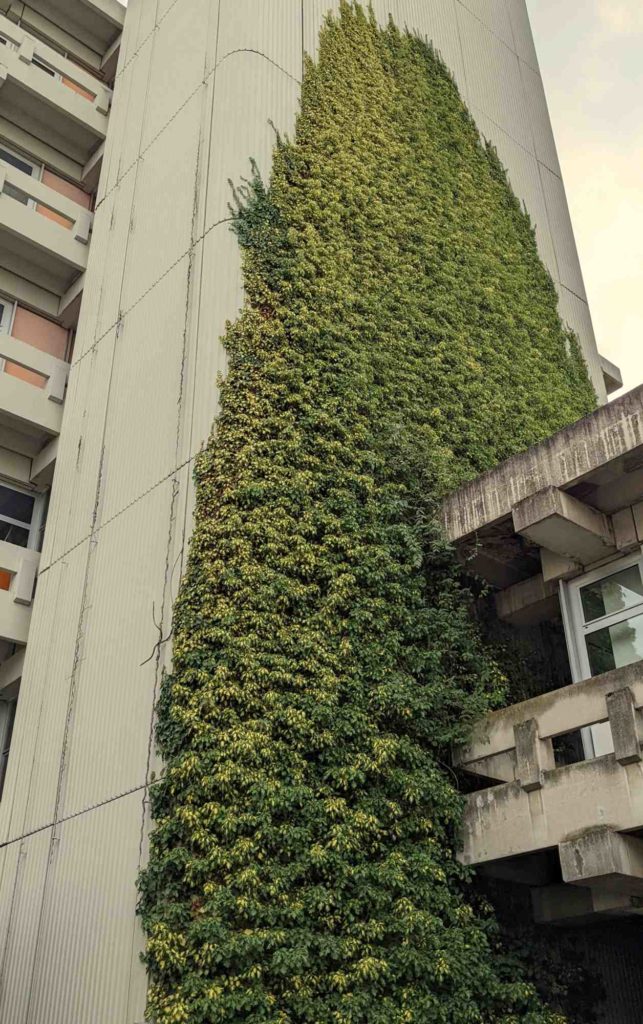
x=591, y=59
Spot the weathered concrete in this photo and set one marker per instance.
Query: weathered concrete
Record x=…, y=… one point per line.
x=555, y=520
x=625, y=726
x=528, y=602
x=561, y=711
x=602, y=858
x=506, y=821
x=592, y=445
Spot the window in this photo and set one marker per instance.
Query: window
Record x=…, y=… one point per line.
x=603, y=613
x=40, y=64
x=18, y=519
x=7, y=308
x=7, y=718
x=20, y=162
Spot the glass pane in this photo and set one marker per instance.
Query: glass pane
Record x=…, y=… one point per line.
x=43, y=67
x=14, y=534
x=16, y=505
x=615, y=646
x=15, y=161
x=613, y=593
x=15, y=193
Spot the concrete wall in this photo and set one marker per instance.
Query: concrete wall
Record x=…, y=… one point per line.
x=198, y=81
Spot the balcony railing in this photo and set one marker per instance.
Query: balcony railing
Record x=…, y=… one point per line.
x=36, y=400
x=78, y=103
x=539, y=805
x=46, y=232
x=18, y=571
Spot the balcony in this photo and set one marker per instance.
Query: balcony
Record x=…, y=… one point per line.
x=50, y=96
x=43, y=234
x=558, y=531
x=588, y=812
x=32, y=390
x=96, y=24
x=18, y=570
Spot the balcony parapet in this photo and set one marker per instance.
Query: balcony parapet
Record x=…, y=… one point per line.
x=39, y=407
x=45, y=233
x=15, y=603
x=492, y=749
x=585, y=812
x=78, y=104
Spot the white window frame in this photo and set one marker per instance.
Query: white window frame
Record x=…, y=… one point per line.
x=35, y=164
x=7, y=316
x=8, y=709
x=35, y=527
x=597, y=739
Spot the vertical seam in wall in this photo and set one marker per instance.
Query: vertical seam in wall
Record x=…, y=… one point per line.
x=175, y=500
x=81, y=618
x=456, y=18
x=210, y=122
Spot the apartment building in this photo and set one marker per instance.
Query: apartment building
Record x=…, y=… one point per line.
x=119, y=134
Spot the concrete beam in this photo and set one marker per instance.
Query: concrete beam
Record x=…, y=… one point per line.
x=604, y=858
x=571, y=455
x=532, y=756
x=611, y=375
x=529, y=602
x=624, y=725
x=558, y=567
x=565, y=905
x=555, y=520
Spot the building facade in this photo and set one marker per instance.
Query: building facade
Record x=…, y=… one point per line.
x=119, y=136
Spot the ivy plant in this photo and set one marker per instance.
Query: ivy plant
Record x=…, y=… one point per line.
x=400, y=335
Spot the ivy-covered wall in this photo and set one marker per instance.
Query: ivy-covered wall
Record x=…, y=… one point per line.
x=400, y=335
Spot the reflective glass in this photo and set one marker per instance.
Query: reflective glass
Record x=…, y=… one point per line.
x=16, y=505
x=15, y=161
x=613, y=593
x=615, y=646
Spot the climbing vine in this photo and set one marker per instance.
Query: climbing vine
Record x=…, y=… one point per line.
x=400, y=334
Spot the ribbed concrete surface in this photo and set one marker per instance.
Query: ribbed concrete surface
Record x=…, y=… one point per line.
x=198, y=83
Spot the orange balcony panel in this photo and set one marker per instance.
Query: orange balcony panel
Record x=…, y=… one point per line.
x=5, y=579
x=66, y=188
x=22, y=373
x=41, y=333
x=75, y=87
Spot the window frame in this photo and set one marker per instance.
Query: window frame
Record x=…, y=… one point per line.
x=597, y=739
x=9, y=708
x=24, y=158
x=35, y=526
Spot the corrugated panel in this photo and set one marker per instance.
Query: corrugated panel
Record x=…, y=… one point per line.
x=523, y=38
x=180, y=58
x=494, y=15
x=89, y=929
x=525, y=181
x=562, y=232
x=44, y=702
x=114, y=693
x=220, y=264
x=145, y=393
x=76, y=495
x=575, y=312
x=493, y=79
x=163, y=207
x=249, y=93
x=539, y=117
x=23, y=894
x=314, y=13
x=274, y=29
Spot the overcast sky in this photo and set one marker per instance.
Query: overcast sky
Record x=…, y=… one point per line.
x=591, y=58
